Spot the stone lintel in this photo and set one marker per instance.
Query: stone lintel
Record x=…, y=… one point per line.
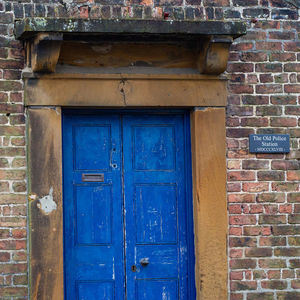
x=28, y=27
x=44, y=37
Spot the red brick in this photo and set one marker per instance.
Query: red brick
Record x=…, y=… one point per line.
x=288, y=295
x=286, y=230
x=255, y=100
x=236, y=110
x=254, y=122
x=240, y=67
x=273, y=274
x=272, y=241
x=258, y=252
x=235, y=209
x=241, y=176
x=270, y=197
x=236, y=296
x=243, y=285
x=288, y=274
x=294, y=240
x=242, y=264
x=241, y=198
x=287, y=251
x=268, y=88
x=270, y=175
x=253, y=56
x=4, y=256
x=285, y=186
x=292, y=88
x=242, y=220
x=84, y=11
x=279, y=35
x=268, y=111
x=255, y=164
x=282, y=56
x=266, y=78
x=285, y=209
x=255, y=209
x=236, y=253
x=269, y=46
x=274, y=284
x=271, y=219
x=293, y=175
x=233, y=187
x=20, y=256
x=239, y=132
x=260, y=296
x=240, y=88
x=292, y=67
x=296, y=208
x=292, y=110
x=13, y=291
x=271, y=263
x=235, y=231
x=236, y=275
x=283, y=122
x=283, y=99
x=294, y=219
x=285, y=165
x=257, y=230
x=19, y=233
x=13, y=268
x=255, y=187
x=268, y=67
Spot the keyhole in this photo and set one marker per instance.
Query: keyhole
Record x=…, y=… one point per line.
x=133, y=268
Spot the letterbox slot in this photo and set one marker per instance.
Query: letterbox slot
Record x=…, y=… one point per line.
x=92, y=177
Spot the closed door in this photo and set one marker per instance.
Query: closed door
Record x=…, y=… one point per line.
x=128, y=230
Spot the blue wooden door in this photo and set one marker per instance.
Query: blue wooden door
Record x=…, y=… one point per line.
x=128, y=231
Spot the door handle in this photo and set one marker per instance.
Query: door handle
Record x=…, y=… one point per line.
x=144, y=261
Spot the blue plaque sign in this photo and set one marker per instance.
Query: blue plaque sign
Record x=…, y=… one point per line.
x=269, y=143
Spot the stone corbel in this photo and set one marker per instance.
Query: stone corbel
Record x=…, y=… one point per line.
x=213, y=56
x=43, y=52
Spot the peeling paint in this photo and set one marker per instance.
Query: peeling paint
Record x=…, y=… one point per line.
x=47, y=204
x=32, y=197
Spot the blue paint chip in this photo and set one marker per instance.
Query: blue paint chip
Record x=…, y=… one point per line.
x=269, y=143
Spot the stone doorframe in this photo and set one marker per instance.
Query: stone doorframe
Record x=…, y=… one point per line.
x=191, y=80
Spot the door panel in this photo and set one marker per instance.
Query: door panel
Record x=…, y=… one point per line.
x=95, y=290
x=154, y=190
x=93, y=218
x=93, y=223
x=152, y=225
x=136, y=213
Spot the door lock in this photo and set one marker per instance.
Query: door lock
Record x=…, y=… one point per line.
x=144, y=261
x=133, y=268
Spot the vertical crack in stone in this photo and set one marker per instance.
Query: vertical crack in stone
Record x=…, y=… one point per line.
x=122, y=90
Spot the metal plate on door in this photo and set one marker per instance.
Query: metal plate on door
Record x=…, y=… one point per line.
x=92, y=177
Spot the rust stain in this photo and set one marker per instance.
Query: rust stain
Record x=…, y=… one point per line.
x=36, y=288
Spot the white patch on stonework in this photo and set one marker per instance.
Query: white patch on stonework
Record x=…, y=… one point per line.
x=47, y=204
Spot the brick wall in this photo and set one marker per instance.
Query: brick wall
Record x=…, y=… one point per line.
x=263, y=190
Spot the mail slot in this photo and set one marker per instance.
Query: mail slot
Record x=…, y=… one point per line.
x=90, y=177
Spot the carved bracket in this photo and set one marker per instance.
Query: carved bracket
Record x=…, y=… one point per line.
x=214, y=55
x=43, y=52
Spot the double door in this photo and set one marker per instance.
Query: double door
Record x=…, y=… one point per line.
x=128, y=230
